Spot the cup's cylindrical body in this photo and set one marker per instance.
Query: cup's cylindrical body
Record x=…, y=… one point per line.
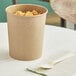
x=25, y=33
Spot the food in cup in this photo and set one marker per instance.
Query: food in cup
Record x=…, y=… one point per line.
x=27, y=13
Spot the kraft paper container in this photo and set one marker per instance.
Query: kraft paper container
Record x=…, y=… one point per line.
x=25, y=32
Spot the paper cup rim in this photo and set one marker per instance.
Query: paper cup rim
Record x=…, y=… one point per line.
x=27, y=4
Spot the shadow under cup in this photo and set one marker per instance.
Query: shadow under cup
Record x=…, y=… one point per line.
x=25, y=32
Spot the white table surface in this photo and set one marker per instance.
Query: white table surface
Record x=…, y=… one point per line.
x=57, y=41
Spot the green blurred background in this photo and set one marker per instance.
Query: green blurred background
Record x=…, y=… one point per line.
x=5, y=3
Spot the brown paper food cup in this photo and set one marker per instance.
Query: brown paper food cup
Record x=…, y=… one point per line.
x=25, y=32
